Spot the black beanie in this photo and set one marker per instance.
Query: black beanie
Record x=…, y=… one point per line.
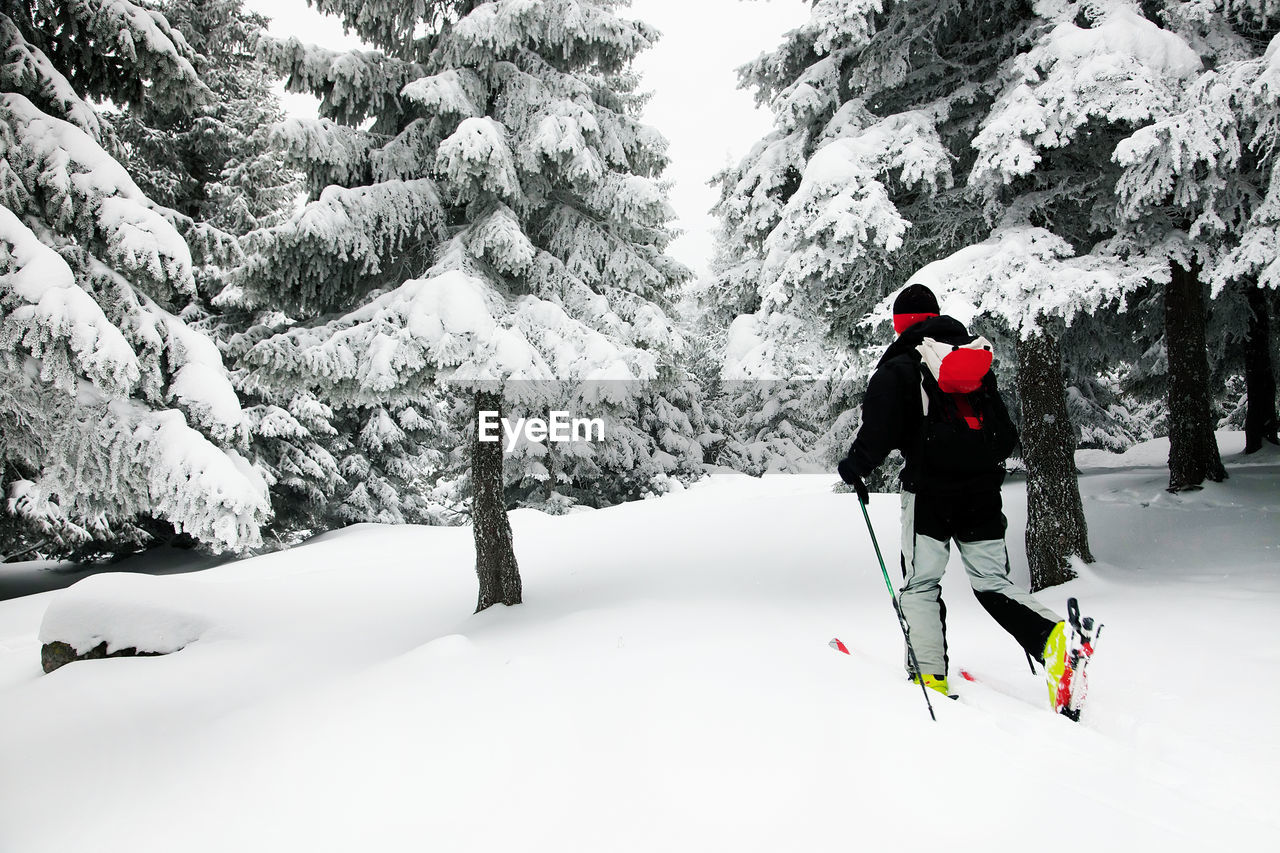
x=916, y=299
x=915, y=303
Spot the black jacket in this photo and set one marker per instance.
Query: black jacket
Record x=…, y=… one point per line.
x=893, y=419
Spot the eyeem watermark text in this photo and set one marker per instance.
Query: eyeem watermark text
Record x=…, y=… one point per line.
x=559, y=427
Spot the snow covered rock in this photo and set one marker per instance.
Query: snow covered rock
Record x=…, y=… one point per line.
x=118, y=615
x=57, y=654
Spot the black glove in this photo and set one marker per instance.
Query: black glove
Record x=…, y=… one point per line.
x=850, y=476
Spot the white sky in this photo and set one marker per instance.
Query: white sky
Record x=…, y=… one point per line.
x=696, y=104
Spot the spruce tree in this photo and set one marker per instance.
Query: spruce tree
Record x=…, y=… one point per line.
x=120, y=420
x=1198, y=188
x=854, y=189
x=216, y=166
x=214, y=163
x=1034, y=283
x=991, y=139
x=1044, y=156
x=870, y=176
x=487, y=221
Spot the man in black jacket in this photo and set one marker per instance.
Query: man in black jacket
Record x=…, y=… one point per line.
x=951, y=479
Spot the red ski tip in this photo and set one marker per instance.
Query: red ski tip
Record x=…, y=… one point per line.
x=838, y=646
x=966, y=675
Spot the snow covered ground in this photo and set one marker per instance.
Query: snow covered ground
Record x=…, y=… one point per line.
x=666, y=686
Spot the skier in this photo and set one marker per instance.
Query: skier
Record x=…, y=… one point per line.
x=954, y=453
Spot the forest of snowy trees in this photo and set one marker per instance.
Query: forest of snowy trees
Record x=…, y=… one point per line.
x=226, y=327
x=1093, y=183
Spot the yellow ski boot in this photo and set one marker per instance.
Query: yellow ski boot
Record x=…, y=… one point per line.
x=1066, y=654
x=935, y=682
x=1055, y=664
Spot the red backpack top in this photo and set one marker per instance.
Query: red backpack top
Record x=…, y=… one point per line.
x=958, y=370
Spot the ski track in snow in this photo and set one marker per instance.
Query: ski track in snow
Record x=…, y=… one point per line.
x=666, y=686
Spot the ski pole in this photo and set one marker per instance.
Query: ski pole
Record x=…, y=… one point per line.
x=897, y=608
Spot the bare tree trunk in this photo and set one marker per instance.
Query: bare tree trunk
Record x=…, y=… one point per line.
x=1260, y=421
x=495, y=557
x=1056, y=528
x=1193, y=448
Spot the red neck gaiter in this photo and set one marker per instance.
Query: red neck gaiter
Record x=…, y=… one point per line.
x=902, y=322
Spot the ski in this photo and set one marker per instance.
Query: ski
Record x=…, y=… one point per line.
x=839, y=646
x=1007, y=688
x=1073, y=688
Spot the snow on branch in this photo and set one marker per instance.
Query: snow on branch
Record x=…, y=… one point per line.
x=351, y=84
x=1125, y=69
x=341, y=239
x=628, y=144
x=602, y=254
x=200, y=382
x=1186, y=159
x=450, y=326
x=172, y=352
x=210, y=492
x=328, y=151
x=547, y=111
x=776, y=345
x=842, y=209
x=630, y=199
x=835, y=27
x=42, y=307
x=500, y=241
x=1258, y=253
x=560, y=140
x=25, y=69
x=581, y=33
x=842, y=23
x=457, y=91
x=397, y=342
x=476, y=159
x=331, y=153
x=143, y=39
x=750, y=199
x=749, y=349
x=346, y=218
x=574, y=351
x=1023, y=275
x=1191, y=161
x=401, y=157
x=119, y=459
x=93, y=193
x=814, y=94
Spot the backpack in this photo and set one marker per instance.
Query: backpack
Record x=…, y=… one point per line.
x=967, y=433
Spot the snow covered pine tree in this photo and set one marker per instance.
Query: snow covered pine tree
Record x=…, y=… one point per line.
x=118, y=418
x=215, y=165
x=1092, y=75
x=488, y=219
x=858, y=181
x=1200, y=188
x=1047, y=235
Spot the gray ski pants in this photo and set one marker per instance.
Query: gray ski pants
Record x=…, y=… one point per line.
x=977, y=524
